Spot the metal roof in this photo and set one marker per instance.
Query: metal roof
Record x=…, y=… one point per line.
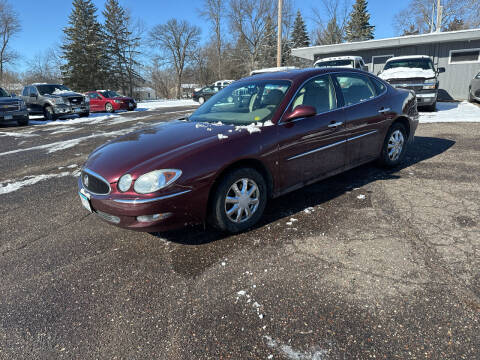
x=436, y=37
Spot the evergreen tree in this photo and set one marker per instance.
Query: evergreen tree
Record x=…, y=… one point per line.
x=299, y=33
x=358, y=27
x=121, y=48
x=86, y=63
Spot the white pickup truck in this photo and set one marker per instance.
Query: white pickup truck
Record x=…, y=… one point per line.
x=416, y=73
x=354, y=62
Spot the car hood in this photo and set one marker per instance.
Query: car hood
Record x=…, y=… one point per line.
x=138, y=151
x=64, y=94
x=406, y=73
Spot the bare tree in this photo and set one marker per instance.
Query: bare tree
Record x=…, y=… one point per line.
x=177, y=41
x=9, y=27
x=466, y=10
x=249, y=20
x=331, y=21
x=44, y=67
x=213, y=11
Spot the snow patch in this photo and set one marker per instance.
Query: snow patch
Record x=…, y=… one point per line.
x=452, y=112
x=361, y=197
x=16, y=134
x=290, y=353
x=9, y=187
x=309, y=210
x=252, y=128
x=406, y=73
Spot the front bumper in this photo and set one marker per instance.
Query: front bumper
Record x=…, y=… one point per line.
x=176, y=208
x=63, y=109
x=426, y=98
x=125, y=106
x=13, y=115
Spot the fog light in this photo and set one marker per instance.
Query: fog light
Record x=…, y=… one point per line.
x=152, y=218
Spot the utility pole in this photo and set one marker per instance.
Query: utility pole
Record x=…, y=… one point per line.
x=439, y=16
x=279, y=34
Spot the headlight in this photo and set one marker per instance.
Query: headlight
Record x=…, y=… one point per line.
x=58, y=101
x=22, y=104
x=87, y=100
x=155, y=180
x=125, y=182
x=430, y=84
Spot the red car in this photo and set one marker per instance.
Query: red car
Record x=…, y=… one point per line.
x=259, y=138
x=109, y=101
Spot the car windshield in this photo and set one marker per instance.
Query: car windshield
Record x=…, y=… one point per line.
x=425, y=64
x=244, y=103
x=334, y=63
x=52, y=89
x=109, y=94
x=3, y=93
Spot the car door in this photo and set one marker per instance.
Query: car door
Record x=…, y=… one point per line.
x=314, y=147
x=365, y=112
x=95, y=101
x=35, y=103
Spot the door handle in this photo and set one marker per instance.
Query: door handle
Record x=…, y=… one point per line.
x=384, y=110
x=335, y=125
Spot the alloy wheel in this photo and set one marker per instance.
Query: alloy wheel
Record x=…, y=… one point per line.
x=242, y=200
x=395, y=145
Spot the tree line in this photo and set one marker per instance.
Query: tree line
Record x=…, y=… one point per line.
x=120, y=53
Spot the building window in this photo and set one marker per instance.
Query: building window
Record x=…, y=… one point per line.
x=464, y=56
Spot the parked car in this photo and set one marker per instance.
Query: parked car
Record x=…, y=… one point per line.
x=474, y=89
x=353, y=62
x=54, y=101
x=205, y=93
x=110, y=101
x=12, y=108
x=223, y=162
x=416, y=73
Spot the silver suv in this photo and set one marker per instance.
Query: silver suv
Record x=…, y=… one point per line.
x=54, y=101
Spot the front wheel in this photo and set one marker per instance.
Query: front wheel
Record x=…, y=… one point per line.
x=394, y=146
x=109, y=108
x=49, y=114
x=470, y=96
x=239, y=200
x=23, y=122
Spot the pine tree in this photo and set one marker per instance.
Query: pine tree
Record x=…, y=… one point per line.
x=299, y=33
x=358, y=27
x=121, y=47
x=84, y=49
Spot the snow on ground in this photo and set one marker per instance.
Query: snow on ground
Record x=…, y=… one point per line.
x=156, y=104
x=452, y=112
x=11, y=186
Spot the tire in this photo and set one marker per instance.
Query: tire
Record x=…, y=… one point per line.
x=23, y=122
x=222, y=215
x=49, y=114
x=470, y=97
x=85, y=114
x=394, y=146
x=201, y=100
x=109, y=108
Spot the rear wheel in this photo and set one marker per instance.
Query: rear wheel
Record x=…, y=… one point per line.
x=239, y=200
x=109, y=108
x=394, y=146
x=49, y=114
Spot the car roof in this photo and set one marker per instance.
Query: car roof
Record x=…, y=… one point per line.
x=409, y=57
x=296, y=74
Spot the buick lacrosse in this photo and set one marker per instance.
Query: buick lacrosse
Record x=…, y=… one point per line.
x=259, y=138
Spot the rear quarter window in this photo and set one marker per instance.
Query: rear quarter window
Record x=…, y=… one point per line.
x=379, y=86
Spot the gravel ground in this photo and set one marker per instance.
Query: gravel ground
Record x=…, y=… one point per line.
x=367, y=264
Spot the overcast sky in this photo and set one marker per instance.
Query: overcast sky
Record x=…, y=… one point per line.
x=43, y=21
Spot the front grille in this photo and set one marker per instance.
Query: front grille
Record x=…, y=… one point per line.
x=94, y=184
x=77, y=100
x=407, y=81
x=10, y=107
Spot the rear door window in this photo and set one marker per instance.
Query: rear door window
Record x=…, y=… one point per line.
x=356, y=88
x=319, y=93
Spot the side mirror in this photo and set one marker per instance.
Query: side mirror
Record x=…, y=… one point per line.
x=441, y=70
x=301, y=111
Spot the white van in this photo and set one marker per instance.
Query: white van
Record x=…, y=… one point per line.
x=354, y=62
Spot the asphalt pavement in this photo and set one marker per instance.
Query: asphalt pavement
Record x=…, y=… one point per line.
x=368, y=264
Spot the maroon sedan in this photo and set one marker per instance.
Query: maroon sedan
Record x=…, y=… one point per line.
x=259, y=138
